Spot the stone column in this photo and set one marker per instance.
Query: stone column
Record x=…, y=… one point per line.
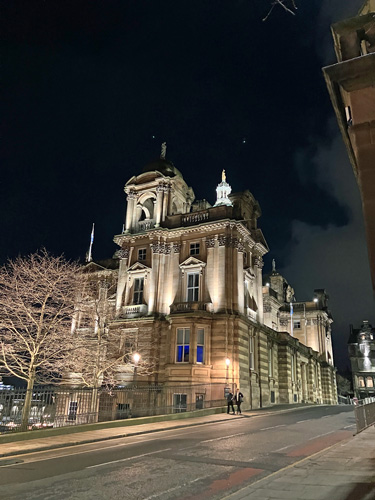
x=123, y=255
x=159, y=204
x=240, y=279
x=259, y=266
x=166, y=196
x=132, y=196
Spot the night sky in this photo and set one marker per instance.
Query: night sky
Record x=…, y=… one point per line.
x=92, y=88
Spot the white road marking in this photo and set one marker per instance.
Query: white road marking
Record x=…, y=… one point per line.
x=285, y=447
x=222, y=437
x=175, y=488
x=320, y=435
x=126, y=459
x=307, y=420
x=348, y=426
x=273, y=427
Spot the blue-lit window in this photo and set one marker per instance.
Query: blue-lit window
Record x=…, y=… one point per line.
x=200, y=345
x=183, y=345
x=193, y=287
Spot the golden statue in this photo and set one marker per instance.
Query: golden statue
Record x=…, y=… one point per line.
x=223, y=176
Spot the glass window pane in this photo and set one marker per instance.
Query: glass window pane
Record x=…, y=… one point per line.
x=187, y=336
x=200, y=339
x=179, y=353
x=186, y=353
x=200, y=354
x=180, y=336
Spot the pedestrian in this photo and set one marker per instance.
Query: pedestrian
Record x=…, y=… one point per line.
x=238, y=399
x=230, y=402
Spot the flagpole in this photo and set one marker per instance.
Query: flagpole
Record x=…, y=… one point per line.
x=89, y=258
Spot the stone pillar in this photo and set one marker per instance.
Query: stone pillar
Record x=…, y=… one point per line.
x=166, y=196
x=159, y=204
x=132, y=196
x=259, y=266
x=240, y=279
x=123, y=255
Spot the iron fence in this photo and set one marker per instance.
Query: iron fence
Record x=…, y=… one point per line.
x=59, y=406
x=365, y=413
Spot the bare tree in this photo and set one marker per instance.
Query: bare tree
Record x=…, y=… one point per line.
x=288, y=5
x=107, y=351
x=38, y=296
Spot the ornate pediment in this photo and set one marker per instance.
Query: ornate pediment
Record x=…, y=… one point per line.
x=192, y=262
x=137, y=266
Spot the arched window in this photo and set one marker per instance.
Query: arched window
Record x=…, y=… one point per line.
x=369, y=382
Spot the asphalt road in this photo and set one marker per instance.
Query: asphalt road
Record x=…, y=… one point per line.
x=207, y=461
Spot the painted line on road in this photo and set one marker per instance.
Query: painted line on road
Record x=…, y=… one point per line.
x=307, y=420
x=126, y=459
x=273, y=427
x=284, y=448
x=320, y=435
x=175, y=488
x=223, y=437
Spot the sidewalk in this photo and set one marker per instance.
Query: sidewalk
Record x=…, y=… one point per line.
x=71, y=437
x=345, y=471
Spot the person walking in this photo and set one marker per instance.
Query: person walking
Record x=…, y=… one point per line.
x=238, y=399
x=230, y=403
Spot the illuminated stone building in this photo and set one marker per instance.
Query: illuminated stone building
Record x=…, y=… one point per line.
x=350, y=84
x=190, y=275
x=362, y=359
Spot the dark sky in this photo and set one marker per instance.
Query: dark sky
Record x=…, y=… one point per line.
x=92, y=88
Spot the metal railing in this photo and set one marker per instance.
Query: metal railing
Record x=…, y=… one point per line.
x=365, y=413
x=61, y=406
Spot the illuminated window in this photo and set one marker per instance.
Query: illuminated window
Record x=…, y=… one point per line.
x=192, y=287
x=200, y=345
x=369, y=382
x=194, y=248
x=142, y=254
x=361, y=382
x=183, y=345
x=138, y=291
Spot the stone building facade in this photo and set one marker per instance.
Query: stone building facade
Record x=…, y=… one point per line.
x=350, y=84
x=190, y=275
x=361, y=346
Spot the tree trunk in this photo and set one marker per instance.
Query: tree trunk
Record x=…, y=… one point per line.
x=27, y=404
x=93, y=417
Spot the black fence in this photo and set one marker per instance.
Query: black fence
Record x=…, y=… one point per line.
x=59, y=406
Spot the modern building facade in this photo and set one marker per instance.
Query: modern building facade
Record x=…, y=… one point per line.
x=361, y=346
x=189, y=276
x=350, y=84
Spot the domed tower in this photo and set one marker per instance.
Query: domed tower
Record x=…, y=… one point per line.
x=159, y=191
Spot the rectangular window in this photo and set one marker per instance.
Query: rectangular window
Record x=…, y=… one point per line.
x=183, y=345
x=199, y=401
x=194, y=248
x=72, y=411
x=193, y=287
x=142, y=254
x=138, y=291
x=179, y=403
x=369, y=382
x=245, y=258
x=296, y=325
x=361, y=382
x=251, y=353
x=200, y=345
